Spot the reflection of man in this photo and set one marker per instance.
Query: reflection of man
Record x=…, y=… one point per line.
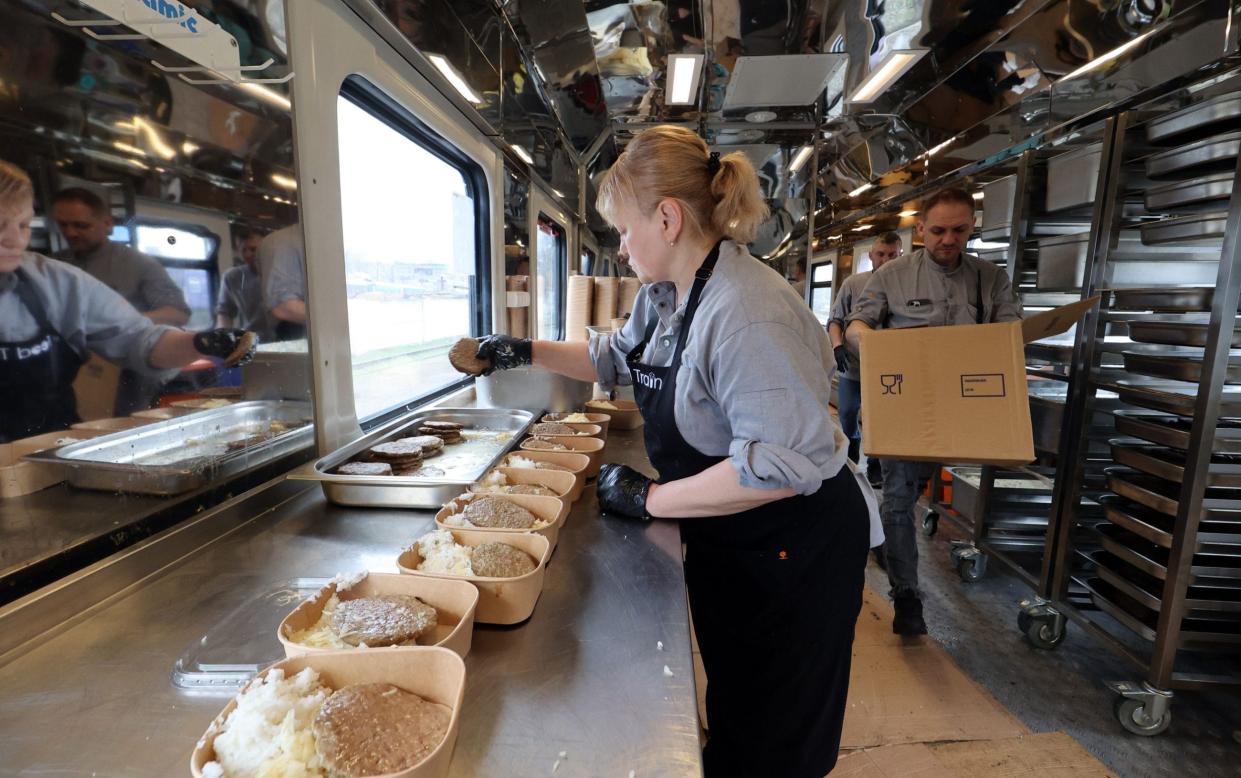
x=85, y=222
x=240, y=302
x=799, y=279
x=849, y=390
x=936, y=286
x=282, y=266
x=52, y=314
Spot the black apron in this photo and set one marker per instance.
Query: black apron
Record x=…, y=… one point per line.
x=36, y=376
x=774, y=592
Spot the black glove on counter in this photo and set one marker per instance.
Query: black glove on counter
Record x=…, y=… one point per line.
x=622, y=492
x=843, y=357
x=505, y=352
x=235, y=347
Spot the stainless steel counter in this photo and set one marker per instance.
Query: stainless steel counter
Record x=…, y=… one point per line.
x=583, y=675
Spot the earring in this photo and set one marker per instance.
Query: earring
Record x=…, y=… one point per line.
x=672, y=243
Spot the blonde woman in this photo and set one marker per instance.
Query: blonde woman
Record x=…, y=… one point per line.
x=53, y=314
x=732, y=373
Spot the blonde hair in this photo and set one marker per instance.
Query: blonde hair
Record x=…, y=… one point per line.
x=668, y=162
x=15, y=186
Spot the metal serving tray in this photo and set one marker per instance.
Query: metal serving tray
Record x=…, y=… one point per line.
x=1181, y=194
x=1073, y=177
x=997, y=208
x=185, y=453
x=1175, y=333
x=1212, y=155
x=1219, y=504
x=1199, y=634
x=1169, y=464
x=1178, y=400
x=1153, y=560
x=412, y=492
x=1200, y=601
x=1183, y=299
x=1178, y=368
x=1174, y=431
x=1224, y=110
x=1156, y=527
x=1186, y=229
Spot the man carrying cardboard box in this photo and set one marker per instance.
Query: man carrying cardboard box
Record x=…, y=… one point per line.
x=936, y=286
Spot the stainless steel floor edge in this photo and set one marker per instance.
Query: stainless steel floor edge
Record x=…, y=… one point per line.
x=58, y=606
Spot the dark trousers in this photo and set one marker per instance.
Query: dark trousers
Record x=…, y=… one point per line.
x=903, y=481
x=848, y=406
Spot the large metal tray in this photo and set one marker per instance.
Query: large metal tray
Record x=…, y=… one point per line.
x=411, y=492
x=1153, y=560
x=1201, y=601
x=1199, y=634
x=1175, y=400
x=1169, y=464
x=1157, y=527
x=1182, y=194
x=1219, y=504
x=1072, y=178
x=1173, y=299
x=1211, y=155
x=1195, y=227
x=1178, y=368
x=1221, y=111
x=185, y=453
x=1175, y=333
x=1174, y=430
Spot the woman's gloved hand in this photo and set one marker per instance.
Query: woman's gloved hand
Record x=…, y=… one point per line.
x=234, y=346
x=843, y=357
x=622, y=492
x=505, y=352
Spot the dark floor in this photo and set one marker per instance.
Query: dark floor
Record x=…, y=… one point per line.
x=1063, y=689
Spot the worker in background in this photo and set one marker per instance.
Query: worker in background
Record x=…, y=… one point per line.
x=799, y=285
x=849, y=387
x=282, y=266
x=732, y=374
x=85, y=222
x=240, y=301
x=936, y=286
x=52, y=314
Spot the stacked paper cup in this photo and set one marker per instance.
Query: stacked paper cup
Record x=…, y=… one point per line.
x=518, y=318
x=607, y=292
x=580, y=298
x=628, y=293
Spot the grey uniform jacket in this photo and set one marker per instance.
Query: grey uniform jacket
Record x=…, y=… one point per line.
x=241, y=299
x=913, y=291
x=755, y=376
x=850, y=290
x=141, y=280
x=87, y=314
x=282, y=264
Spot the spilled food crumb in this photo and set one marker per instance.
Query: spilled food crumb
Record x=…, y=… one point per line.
x=659, y=645
x=556, y=765
x=668, y=671
x=563, y=754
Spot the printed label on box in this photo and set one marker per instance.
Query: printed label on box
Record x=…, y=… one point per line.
x=983, y=385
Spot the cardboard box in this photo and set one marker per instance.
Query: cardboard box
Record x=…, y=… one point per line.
x=18, y=477
x=95, y=388
x=954, y=394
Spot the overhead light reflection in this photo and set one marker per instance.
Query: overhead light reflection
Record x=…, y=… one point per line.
x=449, y=72
x=861, y=189
x=521, y=152
x=283, y=180
x=271, y=96
x=1103, y=59
x=886, y=74
x=803, y=154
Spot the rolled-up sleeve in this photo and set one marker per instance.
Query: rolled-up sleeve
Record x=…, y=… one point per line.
x=284, y=276
x=842, y=305
x=774, y=392
x=92, y=317
x=871, y=306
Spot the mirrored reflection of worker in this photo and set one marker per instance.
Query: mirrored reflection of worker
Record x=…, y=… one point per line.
x=731, y=372
x=799, y=279
x=936, y=286
x=240, y=301
x=282, y=266
x=52, y=314
x=85, y=222
x=849, y=387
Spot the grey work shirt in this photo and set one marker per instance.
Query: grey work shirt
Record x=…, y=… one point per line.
x=755, y=376
x=848, y=294
x=241, y=299
x=282, y=264
x=914, y=291
x=84, y=312
x=141, y=280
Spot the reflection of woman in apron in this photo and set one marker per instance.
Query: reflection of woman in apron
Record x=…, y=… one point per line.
x=732, y=374
x=51, y=314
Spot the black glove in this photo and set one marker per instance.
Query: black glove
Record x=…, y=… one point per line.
x=843, y=357
x=622, y=492
x=234, y=346
x=505, y=352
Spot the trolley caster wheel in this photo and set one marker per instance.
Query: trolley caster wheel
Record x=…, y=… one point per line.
x=971, y=564
x=930, y=524
x=1043, y=631
x=1133, y=717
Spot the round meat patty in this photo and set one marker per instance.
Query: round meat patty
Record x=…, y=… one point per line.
x=376, y=729
x=422, y=471
x=365, y=468
x=500, y=560
x=383, y=620
x=431, y=444
x=463, y=356
x=448, y=436
x=552, y=428
x=498, y=513
x=542, y=444
x=398, y=452
x=443, y=425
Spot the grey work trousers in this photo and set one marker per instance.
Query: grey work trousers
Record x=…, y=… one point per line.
x=903, y=481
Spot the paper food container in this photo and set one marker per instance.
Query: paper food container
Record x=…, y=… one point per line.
x=600, y=419
x=625, y=416
x=454, y=600
x=435, y=674
x=583, y=431
x=18, y=477
x=500, y=600
x=577, y=464
x=560, y=483
x=552, y=510
x=591, y=447
x=115, y=424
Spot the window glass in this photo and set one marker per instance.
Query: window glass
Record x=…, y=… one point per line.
x=409, y=221
x=172, y=243
x=551, y=272
x=821, y=291
x=196, y=285
x=822, y=273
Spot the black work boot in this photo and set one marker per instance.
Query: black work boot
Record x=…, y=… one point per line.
x=908, y=621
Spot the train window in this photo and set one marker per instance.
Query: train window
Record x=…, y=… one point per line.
x=821, y=291
x=413, y=212
x=189, y=256
x=551, y=269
